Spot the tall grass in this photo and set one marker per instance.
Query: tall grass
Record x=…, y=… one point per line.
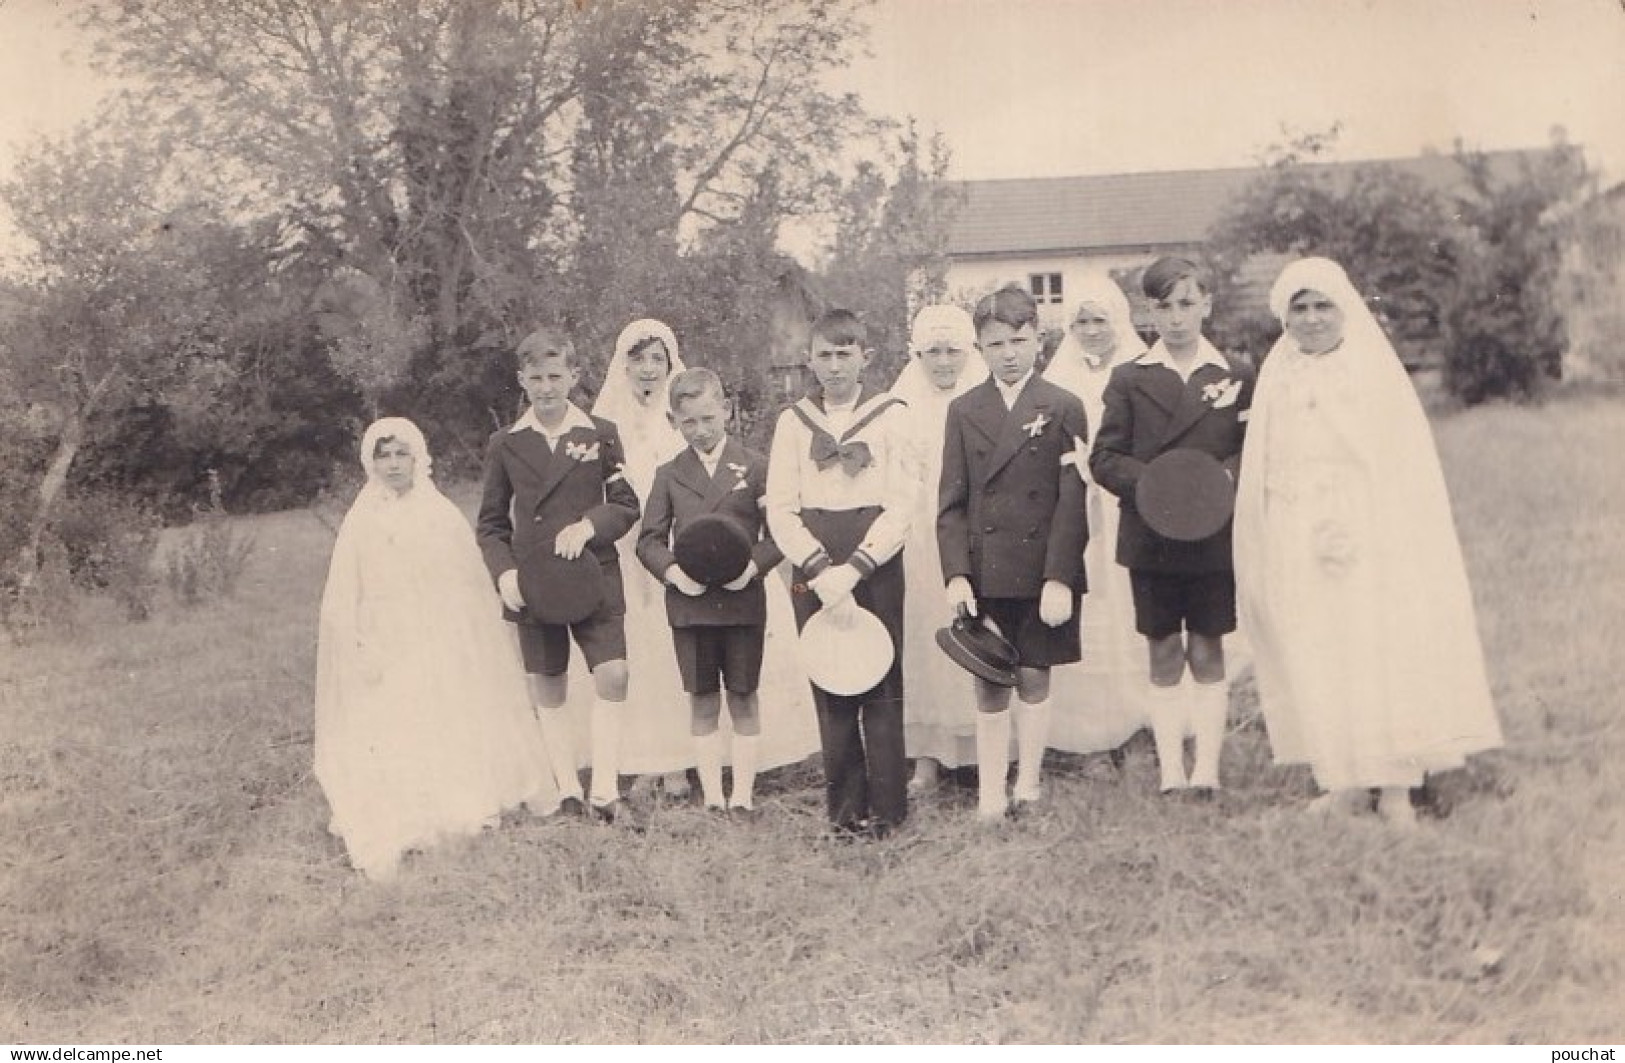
x=167, y=875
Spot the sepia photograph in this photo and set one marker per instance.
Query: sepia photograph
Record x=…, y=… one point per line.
x=791, y=522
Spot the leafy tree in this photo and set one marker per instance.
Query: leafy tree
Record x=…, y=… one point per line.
x=488, y=164
x=1507, y=334
x=891, y=241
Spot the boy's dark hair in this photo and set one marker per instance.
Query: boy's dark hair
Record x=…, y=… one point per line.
x=1010, y=305
x=543, y=343
x=839, y=328
x=693, y=383
x=1163, y=276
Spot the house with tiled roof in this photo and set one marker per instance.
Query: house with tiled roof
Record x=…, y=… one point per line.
x=1045, y=232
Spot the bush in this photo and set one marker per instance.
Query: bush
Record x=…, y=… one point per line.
x=210, y=557
x=109, y=543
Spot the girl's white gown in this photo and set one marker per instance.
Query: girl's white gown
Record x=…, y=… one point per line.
x=655, y=733
x=1349, y=573
x=939, y=698
x=423, y=726
x=1100, y=701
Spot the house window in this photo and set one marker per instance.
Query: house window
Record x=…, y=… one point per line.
x=1046, y=287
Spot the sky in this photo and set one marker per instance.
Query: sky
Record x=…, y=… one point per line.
x=1053, y=87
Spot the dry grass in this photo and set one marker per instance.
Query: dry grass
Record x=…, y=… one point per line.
x=167, y=877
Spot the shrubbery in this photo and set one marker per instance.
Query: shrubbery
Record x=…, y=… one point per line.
x=208, y=559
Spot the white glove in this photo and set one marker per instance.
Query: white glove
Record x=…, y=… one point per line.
x=742, y=581
x=834, y=585
x=508, y=588
x=684, y=583
x=1055, y=603
x=961, y=597
x=574, y=539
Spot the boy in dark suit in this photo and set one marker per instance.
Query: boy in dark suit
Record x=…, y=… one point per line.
x=837, y=489
x=1180, y=393
x=554, y=485
x=718, y=631
x=1011, y=530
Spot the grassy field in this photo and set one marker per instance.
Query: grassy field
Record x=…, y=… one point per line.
x=165, y=875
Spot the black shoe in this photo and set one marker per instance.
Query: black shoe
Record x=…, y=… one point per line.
x=620, y=813
x=572, y=808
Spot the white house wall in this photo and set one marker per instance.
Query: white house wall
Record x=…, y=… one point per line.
x=969, y=279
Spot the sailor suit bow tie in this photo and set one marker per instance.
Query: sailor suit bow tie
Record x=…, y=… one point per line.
x=853, y=456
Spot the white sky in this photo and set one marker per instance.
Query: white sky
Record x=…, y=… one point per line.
x=1048, y=87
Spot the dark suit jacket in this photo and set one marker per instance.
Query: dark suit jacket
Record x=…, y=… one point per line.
x=1148, y=410
x=531, y=493
x=1010, y=509
x=682, y=491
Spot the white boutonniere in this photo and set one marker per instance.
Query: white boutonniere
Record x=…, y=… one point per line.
x=581, y=451
x=1222, y=393
x=739, y=476
x=1035, y=426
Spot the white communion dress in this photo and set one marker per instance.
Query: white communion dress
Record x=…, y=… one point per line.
x=423, y=728
x=1349, y=574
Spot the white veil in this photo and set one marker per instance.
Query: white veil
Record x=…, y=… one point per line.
x=646, y=435
x=1072, y=367
x=1412, y=574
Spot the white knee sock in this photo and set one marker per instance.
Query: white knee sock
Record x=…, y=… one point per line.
x=559, y=735
x=745, y=753
x=992, y=762
x=1032, y=735
x=606, y=751
x=1167, y=708
x=708, y=758
x=1209, y=707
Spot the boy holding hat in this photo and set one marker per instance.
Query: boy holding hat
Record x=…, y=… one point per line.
x=1182, y=394
x=555, y=500
x=711, y=493
x=837, y=503
x=1012, y=530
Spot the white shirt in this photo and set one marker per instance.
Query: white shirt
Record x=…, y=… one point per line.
x=711, y=460
x=1011, y=392
x=838, y=416
x=794, y=481
x=1206, y=354
x=573, y=418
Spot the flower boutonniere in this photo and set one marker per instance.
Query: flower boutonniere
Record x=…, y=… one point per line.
x=1036, y=426
x=581, y=451
x=1222, y=393
x=739, y=476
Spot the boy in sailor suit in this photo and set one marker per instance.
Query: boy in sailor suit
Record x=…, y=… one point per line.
x=837, y=491
x=1011, y=528
x=1181, y=393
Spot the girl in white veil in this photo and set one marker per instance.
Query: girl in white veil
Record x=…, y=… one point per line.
x=423, y=727
x=654, y=738
x=939, y=724
x=1349, y=574
x=1100, y=701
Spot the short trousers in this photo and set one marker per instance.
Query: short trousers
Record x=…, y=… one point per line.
x=729, y=653
x=546, y=647
x=1038, y=644
x=1166, y=603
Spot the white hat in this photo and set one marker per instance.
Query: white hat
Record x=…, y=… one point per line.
x=846, y=650
x=942, y=322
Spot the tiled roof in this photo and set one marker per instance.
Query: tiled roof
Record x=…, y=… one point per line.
x=1134, y=210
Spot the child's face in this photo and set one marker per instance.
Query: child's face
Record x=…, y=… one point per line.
x=702, y=420
x=1093, y=331
x=1009, y=353
x=1178, y=318
x=838, y=368
x=395, y=465
x=943, y=361
x=1314, y=322
x=548, y=382
x=647, y=368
